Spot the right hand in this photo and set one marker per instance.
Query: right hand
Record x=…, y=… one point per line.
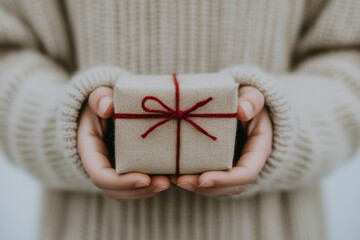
x=93, y=152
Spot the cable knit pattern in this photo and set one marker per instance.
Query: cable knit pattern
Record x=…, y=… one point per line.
x=301, y=54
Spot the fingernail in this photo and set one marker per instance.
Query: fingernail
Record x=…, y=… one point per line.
x=159, y=189
x=141, y=184
x=104, y=104
x=206, y=184
x=247, y=107
x=186, y=186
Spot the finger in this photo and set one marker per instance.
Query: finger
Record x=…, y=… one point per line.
x=101, y=102
x=158, y=184
x=254, y=155
x=93, y=154
x=187, y=179
x=250, y=103
x=191, y=183
x=238, y=175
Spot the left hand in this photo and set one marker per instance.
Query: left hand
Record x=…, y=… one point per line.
x=93, y=125
x=256, y=151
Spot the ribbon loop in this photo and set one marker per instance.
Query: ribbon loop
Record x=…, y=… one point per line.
x=146, y=109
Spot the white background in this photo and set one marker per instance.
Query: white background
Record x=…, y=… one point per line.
x=20, y=202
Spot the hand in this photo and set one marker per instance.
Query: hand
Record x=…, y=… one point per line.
x=256, y=121
x=93, y=123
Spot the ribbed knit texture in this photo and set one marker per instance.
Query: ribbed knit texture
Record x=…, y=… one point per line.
x=301, y=54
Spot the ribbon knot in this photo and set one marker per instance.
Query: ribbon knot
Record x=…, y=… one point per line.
x=180, y=114
x=169, y=114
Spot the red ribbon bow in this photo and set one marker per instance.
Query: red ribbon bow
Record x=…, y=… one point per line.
x=170, y=113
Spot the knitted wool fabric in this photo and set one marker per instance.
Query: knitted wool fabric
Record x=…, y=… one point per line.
x=301, y=54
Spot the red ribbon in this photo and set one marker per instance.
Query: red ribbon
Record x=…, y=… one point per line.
x=170, y=113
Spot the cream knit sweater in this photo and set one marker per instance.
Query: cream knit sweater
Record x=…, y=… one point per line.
x=303, y=55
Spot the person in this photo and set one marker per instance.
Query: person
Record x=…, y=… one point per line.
x=298, y=66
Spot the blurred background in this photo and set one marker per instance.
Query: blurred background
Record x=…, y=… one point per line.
x=20, y=202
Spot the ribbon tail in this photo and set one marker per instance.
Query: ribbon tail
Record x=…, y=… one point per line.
x=198, y=105
x=200, y=129
x=155, y=126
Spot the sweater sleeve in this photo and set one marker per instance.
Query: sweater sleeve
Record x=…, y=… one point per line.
x=40, y=100
x=314, y=108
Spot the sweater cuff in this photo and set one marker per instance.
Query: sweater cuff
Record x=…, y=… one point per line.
x=15, y=68
x=282, y=117
x=78, y=91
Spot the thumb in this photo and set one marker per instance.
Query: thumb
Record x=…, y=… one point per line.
x=250, y=103
x=101, y=102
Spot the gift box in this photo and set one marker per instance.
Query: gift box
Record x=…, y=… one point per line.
x=175, y=124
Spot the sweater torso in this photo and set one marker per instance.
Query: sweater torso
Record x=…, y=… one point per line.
x=161, y=37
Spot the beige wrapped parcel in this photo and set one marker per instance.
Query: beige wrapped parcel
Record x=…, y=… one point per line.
x=172, y=124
